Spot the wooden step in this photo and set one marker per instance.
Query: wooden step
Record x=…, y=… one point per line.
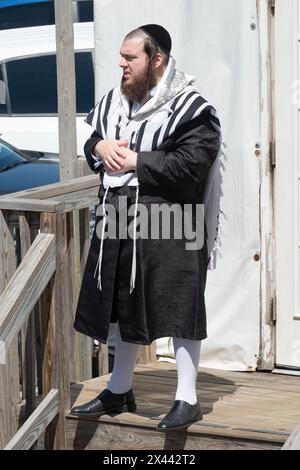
x=241, y=411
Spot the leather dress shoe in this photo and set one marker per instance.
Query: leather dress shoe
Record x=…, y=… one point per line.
x=107, y=403
x=181, y=415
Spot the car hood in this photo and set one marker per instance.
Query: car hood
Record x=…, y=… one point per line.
x=28, y=175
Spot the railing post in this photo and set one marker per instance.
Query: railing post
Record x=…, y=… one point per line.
x=9, y=371
x=147, y=354
x=57, y=329
x=83, y=349
x=66, y=88
x=28, y=331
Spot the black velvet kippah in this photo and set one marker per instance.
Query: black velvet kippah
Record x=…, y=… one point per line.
x=159, y=35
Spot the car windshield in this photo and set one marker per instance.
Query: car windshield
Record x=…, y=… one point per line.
x=8, y=156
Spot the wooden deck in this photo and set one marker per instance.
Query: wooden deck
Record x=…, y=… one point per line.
x=241, y=411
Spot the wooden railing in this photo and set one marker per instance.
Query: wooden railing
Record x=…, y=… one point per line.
x=293, y=441
x=44, y=242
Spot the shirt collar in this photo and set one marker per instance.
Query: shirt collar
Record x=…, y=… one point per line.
x=136, y=106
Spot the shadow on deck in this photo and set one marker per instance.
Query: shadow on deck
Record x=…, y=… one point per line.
x=241, y=411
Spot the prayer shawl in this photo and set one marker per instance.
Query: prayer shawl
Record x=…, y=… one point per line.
x=175, y=102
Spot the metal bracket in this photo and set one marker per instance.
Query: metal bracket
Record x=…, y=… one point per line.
x=273, y=313
x=272, y=152
x=272, y=6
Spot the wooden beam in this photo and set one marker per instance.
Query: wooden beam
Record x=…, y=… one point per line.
x=56, y=189
x=66, y=89
x=25, y=287
x=36, y=424
x=28, y=333
x=29, y=205
x=293, y=441
x=67, y=203
x=103, y=359
x=83, y=343
x=80, y=199
x=135, y=437
x=9, y=371
x=83, y=346
x=147, y=354
x=56, y=364
x=83, y=167
x=7, y=251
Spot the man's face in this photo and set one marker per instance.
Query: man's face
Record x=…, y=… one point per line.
x=134, y=61
x=137, y=78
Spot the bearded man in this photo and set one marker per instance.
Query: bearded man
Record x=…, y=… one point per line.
x=155, y=141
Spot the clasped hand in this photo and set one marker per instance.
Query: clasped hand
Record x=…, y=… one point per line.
x=116, y=156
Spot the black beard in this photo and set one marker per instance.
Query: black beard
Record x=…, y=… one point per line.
x=138, y=90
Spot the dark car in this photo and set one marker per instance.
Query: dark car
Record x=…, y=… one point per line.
x=19, y=171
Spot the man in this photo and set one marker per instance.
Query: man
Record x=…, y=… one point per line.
x=155, y=142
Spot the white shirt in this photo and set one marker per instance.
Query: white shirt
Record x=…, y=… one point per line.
x=123, y=178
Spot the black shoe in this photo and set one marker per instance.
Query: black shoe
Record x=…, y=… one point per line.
x=107, y=403
x=181, y=415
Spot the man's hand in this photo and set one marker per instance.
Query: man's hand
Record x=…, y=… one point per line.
x=130, y=160
x=110, y=153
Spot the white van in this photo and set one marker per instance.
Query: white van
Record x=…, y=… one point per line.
x=28, y=91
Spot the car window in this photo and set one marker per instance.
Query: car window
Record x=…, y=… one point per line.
x=85, y=89
x=3, y=105
x=85, y=10
x=39, y=13
x=32, y=84
x=31, y=14
x=8, y=156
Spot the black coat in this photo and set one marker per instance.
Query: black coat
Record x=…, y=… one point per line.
x=168, y=299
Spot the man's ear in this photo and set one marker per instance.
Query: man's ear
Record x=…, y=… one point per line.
x=157, y=60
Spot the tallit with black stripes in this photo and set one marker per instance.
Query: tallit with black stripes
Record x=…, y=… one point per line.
x=175, y=102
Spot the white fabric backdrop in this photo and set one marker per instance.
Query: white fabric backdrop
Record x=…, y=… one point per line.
x=213, y=40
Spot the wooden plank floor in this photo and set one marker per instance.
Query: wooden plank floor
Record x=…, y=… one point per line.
x=241, y=411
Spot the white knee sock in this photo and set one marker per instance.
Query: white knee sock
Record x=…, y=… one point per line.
x=187, y=354
x=126, y=355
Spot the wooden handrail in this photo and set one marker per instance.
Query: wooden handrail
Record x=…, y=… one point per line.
x=71, y=195
x=26, y=286
x=293, y=441
x=55, y=189
x=32, y=429
x=51, y=278
x=31, y=205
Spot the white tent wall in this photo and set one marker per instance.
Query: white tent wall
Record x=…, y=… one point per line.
x=224, y=43
x=287, y=183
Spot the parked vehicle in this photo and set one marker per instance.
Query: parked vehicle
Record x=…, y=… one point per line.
x=25, y=13
x=28, y=90
x=19, y=172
